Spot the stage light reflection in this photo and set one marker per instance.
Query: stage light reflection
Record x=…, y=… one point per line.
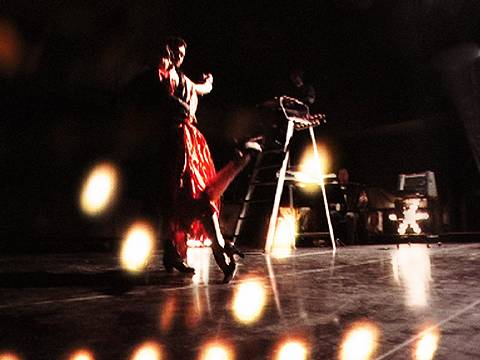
x=9, y=356
x=82, y=355
x=249, y=301
x=359, y=342
x=99, y=189
x=411, y=267
x=137, y=247
x=285, y=232
x=427, y=345
x=292, y=349
x=199, y=259
x=217, y=350
x=148, y=351
x=167, y=313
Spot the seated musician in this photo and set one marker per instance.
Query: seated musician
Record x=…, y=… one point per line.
x=299, y=88
x=348, y=203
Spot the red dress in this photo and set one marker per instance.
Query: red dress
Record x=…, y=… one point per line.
x=193, y=171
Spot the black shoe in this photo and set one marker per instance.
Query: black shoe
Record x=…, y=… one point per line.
x=171, y=260
x=229, y=272
x=183, y=268
x=179, y=265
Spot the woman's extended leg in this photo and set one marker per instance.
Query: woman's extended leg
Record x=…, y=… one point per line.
x=225, y=261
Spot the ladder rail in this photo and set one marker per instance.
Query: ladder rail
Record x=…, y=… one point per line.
x=248, y=197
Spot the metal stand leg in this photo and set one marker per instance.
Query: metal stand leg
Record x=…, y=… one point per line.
x=322, y=185
x=278, y=192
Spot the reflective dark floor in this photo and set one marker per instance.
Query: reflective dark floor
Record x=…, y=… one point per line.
x=369, y=302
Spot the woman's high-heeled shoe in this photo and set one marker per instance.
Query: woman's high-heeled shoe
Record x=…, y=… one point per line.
x=229, y=272
x=179, y=265
x=171, y=260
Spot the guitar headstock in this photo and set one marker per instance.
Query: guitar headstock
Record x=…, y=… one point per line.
x=318, y=118
x=311, y=120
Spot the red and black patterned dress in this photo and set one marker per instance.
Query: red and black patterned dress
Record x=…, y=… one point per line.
x=192, y=168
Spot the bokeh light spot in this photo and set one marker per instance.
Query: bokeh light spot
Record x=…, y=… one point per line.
x=82, y=355
x=249, y=301
x=99, y=189
x=9, y=356
x=148, y=351
x=216, y=350
x=427, y=345
x=292, y=349
x=10, y=48
x=359, y=342
x=137, y=246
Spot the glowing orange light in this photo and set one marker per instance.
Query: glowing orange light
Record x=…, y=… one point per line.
x=82, y=355
x=99, y=189
x=217, y=350
x=148, y=351
x=8, y=356
x=427, y=345
x=312, y=168
x=9, y=47
x=292, y=349
x=137, y=247
x=285, y=232
x=249, y=301
x=360, y=342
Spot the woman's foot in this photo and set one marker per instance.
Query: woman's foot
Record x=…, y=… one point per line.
x=171, y=260
x=251, y=146
x=179, y=265
x=183, y=268
x=229, y=272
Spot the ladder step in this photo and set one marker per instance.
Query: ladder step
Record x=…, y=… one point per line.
x=243, y=218
x=259, y=183
x=272, y=151
x=257, y=201
x=268, y=167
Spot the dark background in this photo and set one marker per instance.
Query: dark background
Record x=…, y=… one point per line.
x=398, y=80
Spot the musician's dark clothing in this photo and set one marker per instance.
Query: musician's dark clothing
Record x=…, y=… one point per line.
x=348, y=217
x=304, y=93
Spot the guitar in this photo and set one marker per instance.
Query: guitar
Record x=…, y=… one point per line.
x=296, y=111
x=307, y=121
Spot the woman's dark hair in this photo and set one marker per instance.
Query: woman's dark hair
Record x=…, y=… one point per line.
x=164, y=52
x=174, y=43
x=167, y=49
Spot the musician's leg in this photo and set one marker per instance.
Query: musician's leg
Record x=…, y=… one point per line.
x=351, y=219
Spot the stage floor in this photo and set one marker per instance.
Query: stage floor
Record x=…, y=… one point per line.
x=365, y=302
